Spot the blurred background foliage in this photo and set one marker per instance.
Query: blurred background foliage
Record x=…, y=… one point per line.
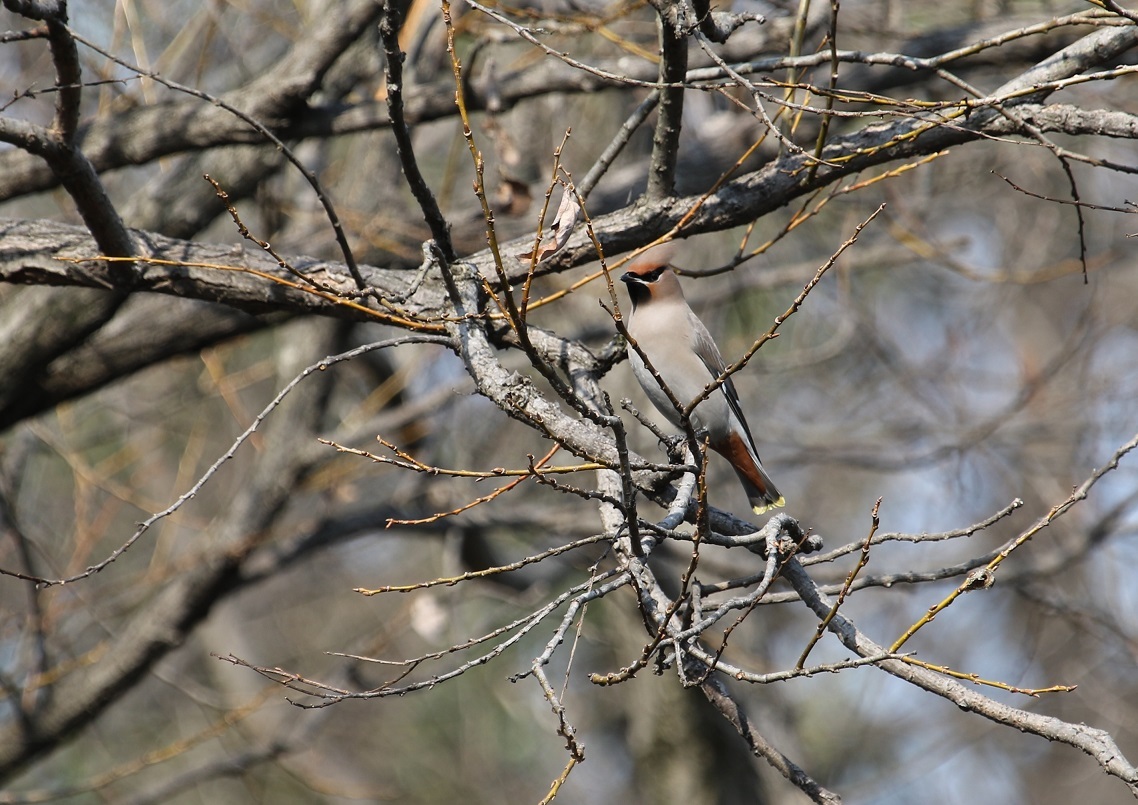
x=953, y=361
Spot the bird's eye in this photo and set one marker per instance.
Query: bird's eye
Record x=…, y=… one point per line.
x=655, y=274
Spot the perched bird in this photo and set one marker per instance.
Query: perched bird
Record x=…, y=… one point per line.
x=681, y=350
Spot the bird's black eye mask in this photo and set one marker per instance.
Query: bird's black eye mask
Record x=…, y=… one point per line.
x=653, y=275
x=638, y=284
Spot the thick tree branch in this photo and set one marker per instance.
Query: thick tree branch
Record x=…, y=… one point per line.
x=719, y=697
x=36, y=253
x=141, y=135
x=1095, y=742
x=389, y=29
x=673, y=39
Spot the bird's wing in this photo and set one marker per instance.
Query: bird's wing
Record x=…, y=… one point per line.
x=708, y=352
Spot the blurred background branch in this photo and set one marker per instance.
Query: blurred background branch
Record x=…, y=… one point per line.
x=419, y=525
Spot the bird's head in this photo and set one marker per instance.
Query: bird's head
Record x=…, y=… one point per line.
x=650, y=278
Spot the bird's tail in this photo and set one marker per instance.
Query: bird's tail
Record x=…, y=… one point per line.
x=760, y=489
x=762, y=498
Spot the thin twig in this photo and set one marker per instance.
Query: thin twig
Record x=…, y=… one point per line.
x=731, y=369
x=875, y=522
x=192, y=492
x=974, y=582
x=309, y=175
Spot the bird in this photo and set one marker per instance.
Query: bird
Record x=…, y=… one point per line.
x=683, y=353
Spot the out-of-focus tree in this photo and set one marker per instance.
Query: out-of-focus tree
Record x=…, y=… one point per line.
x=241, y=241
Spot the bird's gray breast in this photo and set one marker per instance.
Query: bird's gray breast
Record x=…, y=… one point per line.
x=686, y=377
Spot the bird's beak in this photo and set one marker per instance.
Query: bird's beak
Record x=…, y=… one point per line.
x=628, y=276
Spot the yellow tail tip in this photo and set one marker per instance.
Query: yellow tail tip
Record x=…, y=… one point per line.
x=766, y=507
